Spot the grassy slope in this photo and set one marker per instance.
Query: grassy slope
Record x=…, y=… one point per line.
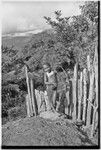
x=38, y=131
x=20, y=41
x=17, y=42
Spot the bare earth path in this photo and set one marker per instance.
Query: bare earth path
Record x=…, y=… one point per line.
x=38, y=131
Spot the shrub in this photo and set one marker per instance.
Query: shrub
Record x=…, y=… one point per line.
x=17, y=112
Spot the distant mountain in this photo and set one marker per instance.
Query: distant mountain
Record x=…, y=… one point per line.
x=20, y=39
x=17, y=42
x=19, y=34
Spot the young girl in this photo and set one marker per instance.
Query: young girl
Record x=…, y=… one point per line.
x=50, y=81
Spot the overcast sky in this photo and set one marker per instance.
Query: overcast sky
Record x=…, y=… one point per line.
x=22, y=16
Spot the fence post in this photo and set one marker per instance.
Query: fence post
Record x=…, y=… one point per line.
x=90, y=98
x=75, y=91
x=96, y=80
x=66, y=103
x=93, y=122
x=33, y=97
x=29, y=105
x=67, y=108
x=71, y=98
x=88, y=63
x=80, y=97
x=37, y=100
x=96, y=74
x=85, y=94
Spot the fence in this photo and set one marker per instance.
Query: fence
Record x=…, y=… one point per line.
x=82, y=95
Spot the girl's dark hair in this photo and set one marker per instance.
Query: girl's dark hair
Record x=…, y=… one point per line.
x=47, y=64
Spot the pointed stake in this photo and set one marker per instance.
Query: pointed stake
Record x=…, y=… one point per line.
x=29, y=94
x=85, y=94
x=75, y=91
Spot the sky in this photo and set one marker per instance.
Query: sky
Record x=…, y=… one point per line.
x=25, y=16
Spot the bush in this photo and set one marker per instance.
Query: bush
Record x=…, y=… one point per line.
x=5, y=120
x=17, y=112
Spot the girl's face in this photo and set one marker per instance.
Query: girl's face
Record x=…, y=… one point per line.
x=46, y=68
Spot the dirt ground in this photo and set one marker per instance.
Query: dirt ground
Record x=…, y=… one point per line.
x=41, y=132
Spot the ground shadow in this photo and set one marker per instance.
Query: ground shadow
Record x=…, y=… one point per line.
x=85, y=139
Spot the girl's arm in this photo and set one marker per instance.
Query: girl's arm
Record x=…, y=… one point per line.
x=55, y=83
x=46, y=80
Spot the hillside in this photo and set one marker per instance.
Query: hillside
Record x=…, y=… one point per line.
x=66, y=45
x=17, y=42
x=40, y=132
x=20, y=39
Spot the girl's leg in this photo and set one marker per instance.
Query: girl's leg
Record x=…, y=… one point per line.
x=54, y=98
x=49, y=99
x=57, y=102
x=67, y=103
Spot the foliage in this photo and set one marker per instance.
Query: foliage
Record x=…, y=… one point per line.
x=79, y=34
x=69, y=41
x=17, y=112
x=90, y=10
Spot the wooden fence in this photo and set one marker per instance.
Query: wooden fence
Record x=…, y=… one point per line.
x=82, y=95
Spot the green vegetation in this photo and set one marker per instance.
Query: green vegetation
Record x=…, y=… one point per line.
x=69, y=41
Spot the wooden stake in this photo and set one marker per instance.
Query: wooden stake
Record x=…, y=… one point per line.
x=67, y=101
x=75, y=91
x=91, y=92
x=37, y=100
x=88, y=62
x=71, y=97
x=93, y=123
x=96, y=80
x=27, y=105
x=33, y=98
x=29, y=94
x=85, y=94
x=80, y=97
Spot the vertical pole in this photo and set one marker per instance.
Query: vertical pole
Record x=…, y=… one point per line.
x=75, y=91
x=85, y=94
x=37, y=100
x=80, y=97
x=96, y=81
x=91, y=92
x=93, y=122
x=27, y=105
x=88, y=63
x=29, y=94
x=67, y=101
x=33, y=97
x=71, y=97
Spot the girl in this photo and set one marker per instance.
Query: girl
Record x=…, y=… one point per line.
x=50, y=81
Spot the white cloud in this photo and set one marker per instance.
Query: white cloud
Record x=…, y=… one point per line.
x=24, y=25
x=20, y=16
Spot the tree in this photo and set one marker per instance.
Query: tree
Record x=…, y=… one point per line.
x=79, y=34
x=90, y=10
